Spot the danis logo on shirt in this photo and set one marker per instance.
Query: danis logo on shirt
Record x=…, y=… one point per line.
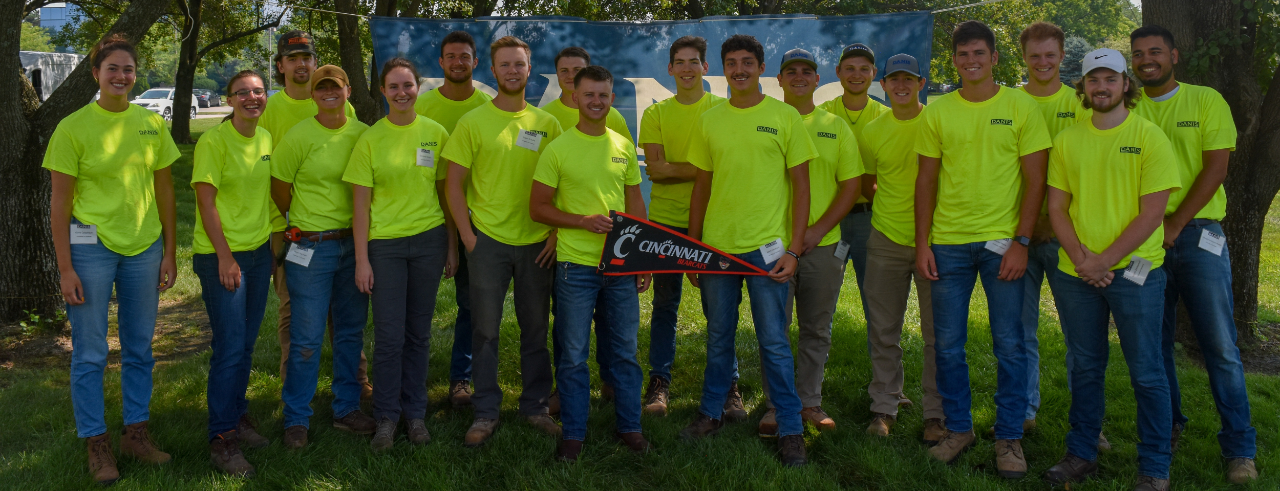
x=148, y=132
x=823, y=134
x=766, y=129
x=428, y=144
x=1006, y=122
x=266, y=158
x=1070, y=114
x=543, y=133
x=1188, y=124
x=619, y=160
x=1132, y=150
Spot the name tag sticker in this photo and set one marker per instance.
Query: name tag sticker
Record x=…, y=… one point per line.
x=299, y=255
x=1137, y=270
x=426, y=158
x=1212, y=242
x=772, y=251
x=999, y=246
x=842, y=250
x=529, y=140
x=84, y=234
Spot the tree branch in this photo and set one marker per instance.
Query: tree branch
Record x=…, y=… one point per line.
x=232, y=38
x=33, y=5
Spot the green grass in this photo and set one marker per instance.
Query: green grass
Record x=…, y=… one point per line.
x=39, y=450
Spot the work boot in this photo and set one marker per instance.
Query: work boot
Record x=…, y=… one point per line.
x=606, y=392
x=934, y=431
x=568, y=450
x=734, y=411
x=460, y=393
x=1103, y=444
x=880, y=424
x=904, y=402
x=545, y=423
x=1241, y=471
x=248, y=434
x=137, y=443
x=818, y=418
x=951, y=446
x=768, y=427
x=701, y=427
x=656, y=396
x=791, y=451
x=480, y=431
x=1070, y=469
x=356, y=422
x=635, y=441
x=384, y=436
x=553, y=402
x=1010, y=461
x=102, y=461
x=295, y=437
x=224, y=450
x=1148, y=483
x=417, y=432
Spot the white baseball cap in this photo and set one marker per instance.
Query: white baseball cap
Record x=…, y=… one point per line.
x=1104, y=58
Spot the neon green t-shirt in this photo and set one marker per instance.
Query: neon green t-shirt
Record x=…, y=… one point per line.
x=114, y=157
x=487, y=141
x=1107, y=172
x=1060, y=110
x=749, y=152
x=981, y=144
x=858, y=121
x=281, y=115
x=401, y=164
x=568, y=118
x=892, y=145
x=240, y=168
x=313, y=158
x=590, y=175
x=447, y=111
x=670, y=123
x=838, y=160
x=1196, y=119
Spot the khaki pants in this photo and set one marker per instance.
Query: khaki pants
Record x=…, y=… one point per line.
x=282, y=324
x=813, y=293
x=891, y=268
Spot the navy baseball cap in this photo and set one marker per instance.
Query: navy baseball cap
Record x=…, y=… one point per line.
x=902, y=62
x=797, y=55
x=858, y=49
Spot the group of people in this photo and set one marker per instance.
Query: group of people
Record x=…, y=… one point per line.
x=1111, y=191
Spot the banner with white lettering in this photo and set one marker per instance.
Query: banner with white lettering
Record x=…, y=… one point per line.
x=637, y=246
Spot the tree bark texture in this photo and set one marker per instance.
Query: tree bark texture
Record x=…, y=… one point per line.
x=185, y=76
x=351, y=57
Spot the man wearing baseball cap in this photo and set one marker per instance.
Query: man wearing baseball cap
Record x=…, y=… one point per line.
x=295, y=61
x=815, y=288
x=889, y=143
x=1110, y=177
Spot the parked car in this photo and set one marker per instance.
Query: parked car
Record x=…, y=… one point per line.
x=207, y=98
x=160, y=101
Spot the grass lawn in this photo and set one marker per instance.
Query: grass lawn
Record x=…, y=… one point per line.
x=39, y=449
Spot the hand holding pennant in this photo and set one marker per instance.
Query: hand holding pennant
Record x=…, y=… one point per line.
x=638, y=246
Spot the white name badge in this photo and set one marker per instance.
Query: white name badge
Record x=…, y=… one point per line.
x=530, y=140
x=1212, y=242
x=299, y=256
x=84, y=234
x=1137, y=270
x=999, y=246
x=842, y=249
x=426, y=158
x=772, y=251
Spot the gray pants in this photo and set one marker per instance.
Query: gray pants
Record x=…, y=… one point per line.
x=493, y=266
x=406, y=275
x=814, y=291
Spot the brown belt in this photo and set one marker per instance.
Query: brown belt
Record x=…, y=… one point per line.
x=296, y=235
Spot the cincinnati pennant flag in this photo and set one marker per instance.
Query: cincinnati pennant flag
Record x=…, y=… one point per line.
x=637, y=246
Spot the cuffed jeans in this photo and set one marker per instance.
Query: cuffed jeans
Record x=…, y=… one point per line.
x=1138, y=310
x=721, y=298
x=234, y=319
x=325, y=286
x=135, y=279
x=577, y=289
x=1042, y=262
x=812, y=294
x=958, y=268
x=406, y=277
x=1202, y=280
x=493, y=266
x=891, y=268
x=460, y=356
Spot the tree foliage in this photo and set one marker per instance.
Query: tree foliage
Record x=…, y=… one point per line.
x=1073, y=60
x=34, y=38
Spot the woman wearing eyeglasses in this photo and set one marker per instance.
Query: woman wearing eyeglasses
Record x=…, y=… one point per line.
x=232, y=257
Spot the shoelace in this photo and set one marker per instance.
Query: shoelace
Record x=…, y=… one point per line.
x=102, y=452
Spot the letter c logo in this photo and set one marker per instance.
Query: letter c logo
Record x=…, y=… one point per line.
x=617, y=246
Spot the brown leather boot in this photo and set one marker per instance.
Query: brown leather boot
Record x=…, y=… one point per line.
x=734, y=409
x=225, y=453
x=248, y=434
x=136, y=442
x=102, y=461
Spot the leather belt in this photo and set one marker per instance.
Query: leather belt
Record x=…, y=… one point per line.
x=294, y=235
x=860, y=208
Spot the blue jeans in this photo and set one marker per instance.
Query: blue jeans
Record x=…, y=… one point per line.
x=1138, y=310
x=577, y=289
x=855, y=230
x=326, y=286
x=721, y=298
x=460, y=359
x=234, y=319
x=1042, y=263
x=958, y=268
x=135, y=279
x=1203, y=280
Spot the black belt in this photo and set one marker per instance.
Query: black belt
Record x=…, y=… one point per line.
x=294, y=235
x=861, y=208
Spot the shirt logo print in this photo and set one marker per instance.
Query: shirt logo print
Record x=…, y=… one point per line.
x=148, y=132
x=1132, y=150
x=823, y=134
x=1006, y=122
x=428, y=144
x=543, y=133
x=619, y=160
x=266, y=158
x=766, y=129
x=1188, y=124
x=1071, y=114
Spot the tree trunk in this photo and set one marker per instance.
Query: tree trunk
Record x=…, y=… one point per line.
x=28, y=269
x=1254, y=177
x=184, y=78
x=351, y=55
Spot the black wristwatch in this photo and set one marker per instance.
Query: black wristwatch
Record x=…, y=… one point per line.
x=1025, y=241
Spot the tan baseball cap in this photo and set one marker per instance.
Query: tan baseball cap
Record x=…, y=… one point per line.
x=329, y=72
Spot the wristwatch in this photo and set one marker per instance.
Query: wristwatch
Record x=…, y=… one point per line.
x=1025, y=241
